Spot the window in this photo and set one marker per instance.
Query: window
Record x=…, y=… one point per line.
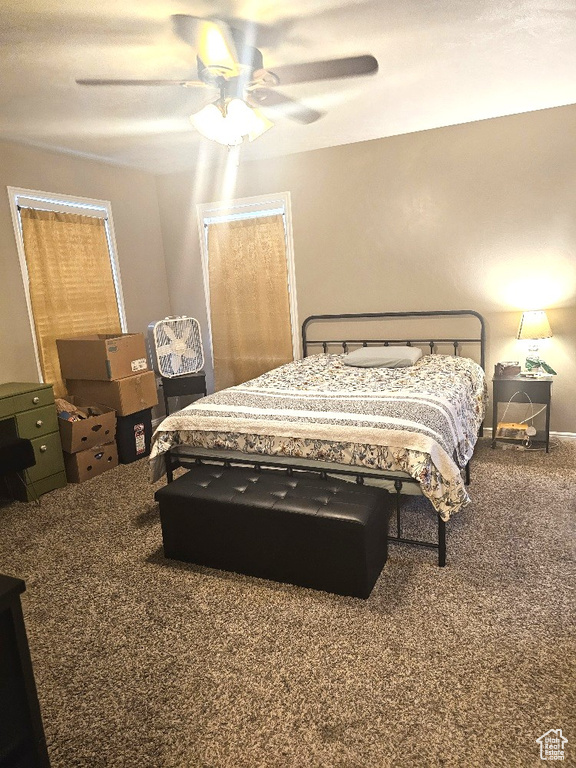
x=250, y=288
x=69, y=269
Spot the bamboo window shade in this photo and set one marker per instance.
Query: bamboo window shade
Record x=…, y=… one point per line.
x=71, y=284
x=249, y=299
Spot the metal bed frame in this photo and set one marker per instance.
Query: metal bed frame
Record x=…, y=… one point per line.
x=360, y=475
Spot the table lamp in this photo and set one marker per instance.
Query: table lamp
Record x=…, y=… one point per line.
x=534, y=326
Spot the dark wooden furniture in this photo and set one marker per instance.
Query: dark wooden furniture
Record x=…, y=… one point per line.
x=292, y=527
x=22, y=742
x=192, y=384
x=27, y=411
x=522, y=389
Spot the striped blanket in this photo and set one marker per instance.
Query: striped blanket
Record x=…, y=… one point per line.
x=422, y=420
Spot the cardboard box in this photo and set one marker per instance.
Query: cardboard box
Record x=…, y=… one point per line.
x=512, y=430
x=134, y=436
x=83, y=465
x=102, y=356
x=81, y=435
x=126, y=396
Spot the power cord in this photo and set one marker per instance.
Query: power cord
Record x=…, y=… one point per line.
x=531, y=430
x=552, y=443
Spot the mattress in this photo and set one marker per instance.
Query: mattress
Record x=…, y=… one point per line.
x=421, y=421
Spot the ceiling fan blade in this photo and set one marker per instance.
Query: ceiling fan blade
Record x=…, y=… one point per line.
x=265, y=97
x=212, y=39
x=187, y=28
x=185, y=83
x=333, y=69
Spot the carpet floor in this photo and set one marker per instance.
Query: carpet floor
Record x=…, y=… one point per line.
x=146, y=662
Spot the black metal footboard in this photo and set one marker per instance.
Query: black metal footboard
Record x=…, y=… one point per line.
x=173, y=460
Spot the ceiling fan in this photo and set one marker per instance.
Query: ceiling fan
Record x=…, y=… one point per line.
x=227, y=63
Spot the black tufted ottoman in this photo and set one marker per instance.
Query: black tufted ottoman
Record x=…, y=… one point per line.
x=302, y=529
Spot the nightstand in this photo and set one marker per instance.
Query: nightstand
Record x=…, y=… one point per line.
x=523, y=389
x=192, y=384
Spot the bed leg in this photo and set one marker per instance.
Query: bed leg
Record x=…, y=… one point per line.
x=398, y=487
x=441, y=542
x=168, y=463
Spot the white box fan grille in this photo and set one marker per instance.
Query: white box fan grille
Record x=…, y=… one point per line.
x=176, y=346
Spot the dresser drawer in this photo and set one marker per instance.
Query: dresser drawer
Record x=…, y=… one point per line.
x=48, y=453
x=38, y=421
x=33, y=491
x=7, y=407
x=30, y=491
x=32, y=400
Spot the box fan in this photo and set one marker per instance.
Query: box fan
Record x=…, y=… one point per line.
x=176, y=346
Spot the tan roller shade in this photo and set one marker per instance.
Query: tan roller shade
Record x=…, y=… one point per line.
x=70, y=281
x=249, y=300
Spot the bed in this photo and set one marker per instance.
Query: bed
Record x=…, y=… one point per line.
x=411, y=428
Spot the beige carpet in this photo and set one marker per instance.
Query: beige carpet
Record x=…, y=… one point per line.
x=145, y=662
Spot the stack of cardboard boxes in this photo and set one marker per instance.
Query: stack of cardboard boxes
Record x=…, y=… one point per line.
x=87, y=442
x=113, y=371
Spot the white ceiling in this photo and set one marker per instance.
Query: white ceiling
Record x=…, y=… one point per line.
x=442, y=62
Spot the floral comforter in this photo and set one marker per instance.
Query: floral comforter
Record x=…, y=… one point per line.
x=422, y=420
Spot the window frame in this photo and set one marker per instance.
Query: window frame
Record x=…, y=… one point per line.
x=246, y=208
x=51, y=201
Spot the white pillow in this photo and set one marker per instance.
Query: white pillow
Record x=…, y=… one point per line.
x=383, y=357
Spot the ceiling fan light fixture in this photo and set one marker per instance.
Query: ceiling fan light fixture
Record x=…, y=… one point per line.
x=230, y=122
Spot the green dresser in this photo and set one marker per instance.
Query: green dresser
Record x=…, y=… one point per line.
x=28, y=410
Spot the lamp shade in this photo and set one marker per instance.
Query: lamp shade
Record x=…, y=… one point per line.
x=230, y=124
x=534, y=325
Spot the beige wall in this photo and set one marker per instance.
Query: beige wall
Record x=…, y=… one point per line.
x=138, y=239
x=479, y=216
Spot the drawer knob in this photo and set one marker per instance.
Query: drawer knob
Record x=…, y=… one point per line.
x=36, y=400
x=39, y=423
x=43, y=448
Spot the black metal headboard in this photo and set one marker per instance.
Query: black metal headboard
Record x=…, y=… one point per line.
x=455, y=341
